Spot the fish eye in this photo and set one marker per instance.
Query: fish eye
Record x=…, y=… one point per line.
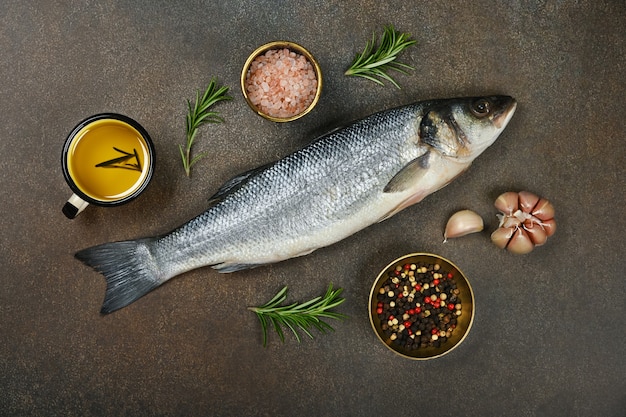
x=481, y=108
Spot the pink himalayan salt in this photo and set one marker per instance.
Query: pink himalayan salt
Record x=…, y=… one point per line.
x=281, y=83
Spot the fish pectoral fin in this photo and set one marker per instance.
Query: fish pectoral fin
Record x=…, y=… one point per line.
x=408, y=175
x=414, y=199
x=235, y=182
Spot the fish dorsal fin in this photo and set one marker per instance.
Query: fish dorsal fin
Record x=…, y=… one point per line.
x=408, y=175
x=234, y=183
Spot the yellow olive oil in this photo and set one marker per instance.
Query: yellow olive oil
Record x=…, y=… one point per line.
x=108, y=160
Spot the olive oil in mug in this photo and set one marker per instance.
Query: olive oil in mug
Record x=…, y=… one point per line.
x=108, y=160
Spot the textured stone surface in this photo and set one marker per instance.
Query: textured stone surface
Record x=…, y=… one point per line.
x=548, y=338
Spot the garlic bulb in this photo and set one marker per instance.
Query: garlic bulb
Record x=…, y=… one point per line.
x=526, y=221
x=463, y=223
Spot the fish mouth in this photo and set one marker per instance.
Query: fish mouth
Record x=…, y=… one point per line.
x=506, y=107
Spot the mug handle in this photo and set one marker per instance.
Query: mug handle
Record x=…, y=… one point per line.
x=74, y=206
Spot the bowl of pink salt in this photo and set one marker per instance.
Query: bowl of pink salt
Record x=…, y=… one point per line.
x=281, y=81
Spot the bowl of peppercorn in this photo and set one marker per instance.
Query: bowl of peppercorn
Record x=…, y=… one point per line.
x=421, y=306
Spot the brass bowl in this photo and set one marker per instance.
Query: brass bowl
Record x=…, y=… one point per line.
x=295, y=48
x=464, y=321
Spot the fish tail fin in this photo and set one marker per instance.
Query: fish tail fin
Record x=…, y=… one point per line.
x=128, y=267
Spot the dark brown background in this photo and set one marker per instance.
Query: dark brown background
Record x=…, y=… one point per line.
x=548, y=337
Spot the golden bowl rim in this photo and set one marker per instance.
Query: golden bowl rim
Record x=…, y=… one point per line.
x=280, y=45
x=439, y=351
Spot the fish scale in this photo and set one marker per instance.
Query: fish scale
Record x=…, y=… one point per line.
x=341, y=183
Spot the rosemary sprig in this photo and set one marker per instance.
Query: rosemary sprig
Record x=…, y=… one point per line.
x=117, y=162
x=198, y=115
x=375, y=61
x=299, y=316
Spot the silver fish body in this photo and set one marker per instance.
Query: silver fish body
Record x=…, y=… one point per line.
x=341, y=183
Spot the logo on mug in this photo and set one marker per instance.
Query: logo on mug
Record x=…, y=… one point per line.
x=108, y=160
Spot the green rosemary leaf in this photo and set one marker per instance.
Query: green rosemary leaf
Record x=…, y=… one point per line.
x=293, y=330
x=305, y=305
x=278, y=298
x=323, y=327
x=303, y=328
x=197, y=158
x=264, y=327
x=376, y=60
x=199, y=114
x=299, y=317
x=182, y=155
x=278, y=329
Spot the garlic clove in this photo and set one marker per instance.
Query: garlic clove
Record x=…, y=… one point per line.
x=536, y=232
x=463, y=223
x=549, y=226
x=520, y=243
x=527, y=201
x=501, y=236
x=544, y=210
x=507, y=202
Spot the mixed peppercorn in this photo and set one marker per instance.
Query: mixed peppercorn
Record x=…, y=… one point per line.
x=418, y=305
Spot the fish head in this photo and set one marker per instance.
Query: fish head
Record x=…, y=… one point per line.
x=463, y=128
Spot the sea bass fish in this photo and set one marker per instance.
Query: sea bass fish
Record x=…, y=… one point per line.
x=341, y=183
